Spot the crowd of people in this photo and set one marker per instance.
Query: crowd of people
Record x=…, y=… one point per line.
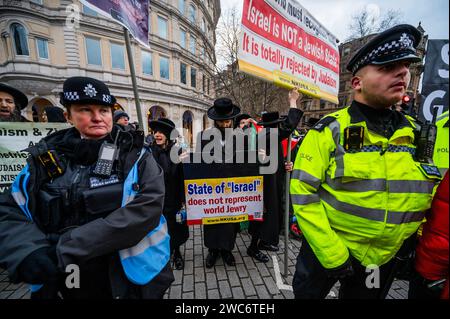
x=103, y=196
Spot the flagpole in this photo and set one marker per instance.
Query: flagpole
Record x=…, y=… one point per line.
x=133, y=78
x=286, y=209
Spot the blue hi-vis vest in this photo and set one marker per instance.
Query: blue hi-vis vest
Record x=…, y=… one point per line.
x=142, y=262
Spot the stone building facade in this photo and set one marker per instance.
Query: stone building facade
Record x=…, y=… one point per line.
x=43, y=42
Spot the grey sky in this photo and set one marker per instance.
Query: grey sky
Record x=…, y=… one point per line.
x=335, y=14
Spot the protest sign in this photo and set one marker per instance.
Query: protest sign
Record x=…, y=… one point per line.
x=132, y=14
x=435, y=80
x=282, y=43
x=14, y=138
x=215, y=194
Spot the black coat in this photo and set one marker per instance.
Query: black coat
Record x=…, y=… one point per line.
x=274, y=185
x=220, y=236
x=174, y=196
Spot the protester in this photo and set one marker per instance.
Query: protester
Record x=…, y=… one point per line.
x=174, y=184
x=357, y=191
x=11, y=102
x=121, y=117
x=431, y=280
x=265, y=235
x=90, y=197
x=55, y=114
x=220, y=239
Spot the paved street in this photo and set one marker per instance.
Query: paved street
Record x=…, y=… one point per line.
x=248, y=280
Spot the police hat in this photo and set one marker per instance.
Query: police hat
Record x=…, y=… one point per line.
x=223, y=109
x=20, y=99
x=84, y=90
x=163, y=125
x=395, y=44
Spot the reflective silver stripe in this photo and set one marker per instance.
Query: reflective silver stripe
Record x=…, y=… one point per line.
x=443, y=171
x=442, y=116
x=19, y=198
x=365, y=185
x=145, y=243
x=398, y=218
x=422, y=187
x=305, y=199
x=363, y=212
x=306, y=178
x=335, y=128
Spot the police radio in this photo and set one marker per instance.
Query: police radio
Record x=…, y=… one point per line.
x=107, y=156
x=426, y=140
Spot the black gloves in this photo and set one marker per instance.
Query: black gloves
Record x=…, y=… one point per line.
x=341, y=272
x=38, y=267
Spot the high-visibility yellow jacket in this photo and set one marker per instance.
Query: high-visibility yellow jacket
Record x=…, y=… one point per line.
x=441, y=155
x=363, y=202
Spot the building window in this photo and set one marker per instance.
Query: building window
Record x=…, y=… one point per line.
x=37, y=1
x=182, y=6
x=94, y=51
x=192, y=13
x=183, y=73
x=193, y=77
x=204, y=83
x=19, y=34
x=89, y=11
x=203, y=26
x=208, y=85
x=42, y=48
x=147, y=63
x=183, y=38
x=162, y=27
x=164, y=72
x=192, y=43
x=117, y=56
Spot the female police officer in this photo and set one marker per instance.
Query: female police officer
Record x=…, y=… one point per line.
x=90, y=198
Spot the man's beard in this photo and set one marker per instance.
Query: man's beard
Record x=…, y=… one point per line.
x=15, y=116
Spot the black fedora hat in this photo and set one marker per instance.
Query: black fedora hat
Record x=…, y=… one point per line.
x=270, y=118
x=163, y=125
x=20, y=99
x=223, y=109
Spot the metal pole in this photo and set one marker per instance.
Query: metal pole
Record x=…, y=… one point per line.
x=133, y=78
x=286, y=209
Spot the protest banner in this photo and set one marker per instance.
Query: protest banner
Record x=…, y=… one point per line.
x=435, y=79
x=14, y=138
x=132, y=14
x=282, y=43
x=223, y=193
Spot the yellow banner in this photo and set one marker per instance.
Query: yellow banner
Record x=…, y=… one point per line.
x=226, y=219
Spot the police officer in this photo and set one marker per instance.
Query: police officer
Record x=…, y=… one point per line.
x=11, y=102
x=174, y=185
x=90, y=198
x=441, y=155
x=357, y=190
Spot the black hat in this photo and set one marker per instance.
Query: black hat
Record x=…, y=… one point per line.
x=312, y=121
x=55, y=114
x=242, y=116
x=84, y=90
x=270, y=118
x=395, y=44
x=163, y=125
x=20, y=99
x=223, y=109
x=118, y=114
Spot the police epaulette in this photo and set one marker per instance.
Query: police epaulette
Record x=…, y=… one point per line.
x=320, y=126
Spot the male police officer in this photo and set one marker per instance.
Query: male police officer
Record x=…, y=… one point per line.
x=357, y=190
x=11, y=102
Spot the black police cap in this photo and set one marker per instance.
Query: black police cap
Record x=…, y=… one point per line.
x=85, y=90
x=395, y=44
